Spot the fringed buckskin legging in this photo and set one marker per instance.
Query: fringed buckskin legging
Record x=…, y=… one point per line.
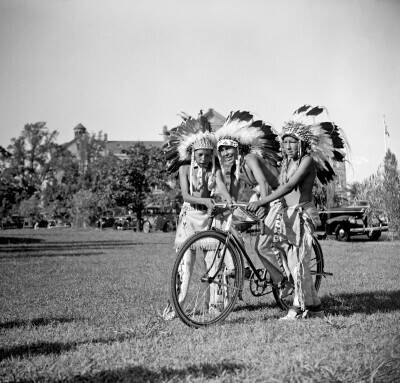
x=294, y=241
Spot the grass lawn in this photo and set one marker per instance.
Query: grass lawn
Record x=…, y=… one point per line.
x=84, y=306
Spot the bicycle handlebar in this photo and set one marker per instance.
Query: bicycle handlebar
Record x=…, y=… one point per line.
x=233, y=204
x=241, y=205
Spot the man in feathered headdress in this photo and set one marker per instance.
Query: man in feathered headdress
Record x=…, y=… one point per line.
x=249, y=151
x=191, y=150
x=308, y=150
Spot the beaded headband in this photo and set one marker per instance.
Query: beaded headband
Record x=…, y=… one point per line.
x=201, y=140
x=226, y=141
x=297, y=130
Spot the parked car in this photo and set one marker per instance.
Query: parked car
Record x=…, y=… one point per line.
x=29, y=222
x=51, y=224
x=104, y=222
x=347, y=221
x=12, y=222
x=127, y=222
x=157, y=218
x=40, y=223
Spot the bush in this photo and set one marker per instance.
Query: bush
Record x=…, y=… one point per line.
x=84, y=204
x=391, y=193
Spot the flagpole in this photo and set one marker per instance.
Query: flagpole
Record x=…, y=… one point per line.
x=384, y=133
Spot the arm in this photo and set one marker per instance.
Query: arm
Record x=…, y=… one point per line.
x=252, y=162
x=305, y=167
x=221, y=187
x=271, y=173
x=185, y=188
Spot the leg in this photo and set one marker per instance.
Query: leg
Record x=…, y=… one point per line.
x=211, y=264
x=218, y=294
x=304, y=285
x=310, y=293
x=185, y=272
x=268, y=257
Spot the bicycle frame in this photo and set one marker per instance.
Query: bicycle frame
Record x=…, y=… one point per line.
x=232, y=236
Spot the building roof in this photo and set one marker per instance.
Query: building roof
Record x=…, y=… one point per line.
x=117, y=146
x=215, y=119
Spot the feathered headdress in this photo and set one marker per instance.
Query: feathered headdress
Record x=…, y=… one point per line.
x=183, y=140
x=250, y=135
x=324, y=141
x=247, y=134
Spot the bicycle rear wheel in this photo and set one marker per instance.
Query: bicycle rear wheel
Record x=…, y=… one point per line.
x=206, y=279
x=316, y=268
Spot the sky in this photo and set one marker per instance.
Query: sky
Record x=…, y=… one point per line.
x=127, y=68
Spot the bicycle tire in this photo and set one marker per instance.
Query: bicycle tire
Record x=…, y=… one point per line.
x=317, y=269
x=214, y=279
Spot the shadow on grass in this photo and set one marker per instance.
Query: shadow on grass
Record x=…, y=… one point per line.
x=367, y=302
x=65, y=249
x=41, y=348
x=140, y=374
x=254, y=307
x=47, y=348
x=345, y=304
x=36, y=322
x=363, y=239
x=62, y=246
x=44, y=254
x=16, y=240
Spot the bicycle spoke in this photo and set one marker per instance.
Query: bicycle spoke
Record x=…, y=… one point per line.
x=206, y=294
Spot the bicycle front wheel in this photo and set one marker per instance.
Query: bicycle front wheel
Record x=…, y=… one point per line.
x=206, y=279
x=316, y=266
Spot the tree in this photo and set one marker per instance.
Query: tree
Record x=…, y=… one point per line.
x=102, y=175
x=354, y=190
x=58, y=189
x=391, y=192
x=30, y=207
x=371, y=190
x=32, y=157
x=9, y=186
x=89, y=171
x=144, y=168
x=320, y=195
x=83, y=205
x=91, y=150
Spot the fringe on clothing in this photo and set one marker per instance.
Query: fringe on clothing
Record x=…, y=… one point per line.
x=191, y=221
x=294, y=225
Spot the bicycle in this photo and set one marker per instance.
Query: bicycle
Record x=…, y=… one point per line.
x=207, y=292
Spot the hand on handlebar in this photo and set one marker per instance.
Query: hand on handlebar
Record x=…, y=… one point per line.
x=210, y=204
x=230, y=204
x=261, y=212
x=253, y=206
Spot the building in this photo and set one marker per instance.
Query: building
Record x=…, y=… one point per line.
x=215, y=119
x=83, y=145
